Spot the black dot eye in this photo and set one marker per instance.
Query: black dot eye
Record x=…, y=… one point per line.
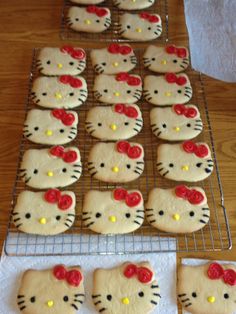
x=77, y=20
x=128, y=91
x=36, y=128
x=188, y=125
x=125, y=60
x=98, y=215
x=58, y=217
x=155, y=91
x=71, y=94
x=99, y=124
x=44, y=94
x=109, y=297
x=126, y=123
x=128, y=26
x=175, y=61
x=71, y=63
x=65, y=299
x=199, y=164
x=27, y=216
x=191, y=214
x=161, y=213
x=141, y=294
x=226, y=296
x=153, y=59
x=48, y=62
x=128, y=166
x=102, y=165
x=62, y=130
x=164, y=125
x=104, y=63
x=35, y=171
x=127, y=215
x=97, y=21
x=32, y=300
x=179, y=91
x=149, y=28
x=64, y=170
x=194, y=295
x=105, y=90
x=171, y=165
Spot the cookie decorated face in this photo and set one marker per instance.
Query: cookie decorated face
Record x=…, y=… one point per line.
x=171, y=59
x=116, y=162
x=187, y=161
x=44, y=213
x=169, y=89
x=58, y=290
x=116, y=212
x=211, y=290
x=141, y=27
x=91, y=19
x=179, y=210
x=119, y=88
x=50, y=168
x=51, y=127
x=59, y=92
x=116, y=122
x=113, y=59
x=176, y=123
x=66, y=60
x=133, y=5
x=130, y=288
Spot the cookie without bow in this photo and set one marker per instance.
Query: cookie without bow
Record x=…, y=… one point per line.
x=211, y=290
x=65, y=91
x=116, y=212
x=87, y=1
x=90, y=19
x=114, y=59
x=169, y=89
x=130, y=288
x=176, y=123
x=116, y=162
x=58, y=290
x=51, y=167
x=166, y=59
x=116, y=122
x=140, y=27
x=133, y=4
x=120, y=88
x=186, y=161
x=180, y=210
x=44, y=213
x=66, y=60
x=51, y=127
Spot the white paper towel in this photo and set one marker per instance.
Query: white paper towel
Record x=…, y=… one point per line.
x=212, y=35
x=11, y=269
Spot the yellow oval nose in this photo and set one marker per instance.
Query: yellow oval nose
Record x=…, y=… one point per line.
x=163, y=62
x=59, y=65
x=185, y=168
x=117, y=94
x=211, y=299
x=115, y=169
x=50, y=303
x=115, y=64
x=50, y=174
x=87, y=21
x=58, y=95
x=139, y=30
x=113, y=127
x=48, y=132
x=133, y=0
x=176, y=217
x=125, y=301
x=168, y=94
x=112, y=218
x=177, y=128
x=43, y=221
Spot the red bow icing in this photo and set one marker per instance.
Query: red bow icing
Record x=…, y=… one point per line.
x=193, y=196
x=54, y=196
x=132, y=152
x=216, y=271
x=100, y=12
x=72, y=81
x=66, y=118
x=59, y=151
x=116, y=49
x=129, y=111
x=186, y=111
x=180, y=52
x=173, y=78
x=199, y=150
x=129, y=79
x=131, y=199
x=72, y=277
x=76, y=53
x=143, y=274
x=150, y=18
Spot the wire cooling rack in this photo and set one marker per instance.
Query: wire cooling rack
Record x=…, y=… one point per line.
x=111, y=34
x=215, y=236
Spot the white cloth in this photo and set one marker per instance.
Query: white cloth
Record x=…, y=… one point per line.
x=212, y=35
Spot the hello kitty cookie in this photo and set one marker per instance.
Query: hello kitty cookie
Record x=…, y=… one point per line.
x=176, y=123
x=66, y=60
x=51, y=127
x=166, y=59
x=90, y=19
x=133, y=4
x=116, y=162
x=58, y=290
x=65, y=91
x=186, y=161
x=116, y=212
x=211, y=290
x=117, y=122
x=114, y=59
x=120, y=88
x=140, y=27
x=179, y=210
x=130, y=288
x=169, y=89
x=44, y=213
x=51, y=167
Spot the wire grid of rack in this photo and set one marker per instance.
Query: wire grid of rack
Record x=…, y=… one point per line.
x=111, y=34
x=215, y=236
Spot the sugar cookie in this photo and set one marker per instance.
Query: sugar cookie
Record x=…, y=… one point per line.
x=133, y=4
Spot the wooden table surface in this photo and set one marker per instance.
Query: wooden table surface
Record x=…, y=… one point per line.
x=26, y=24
